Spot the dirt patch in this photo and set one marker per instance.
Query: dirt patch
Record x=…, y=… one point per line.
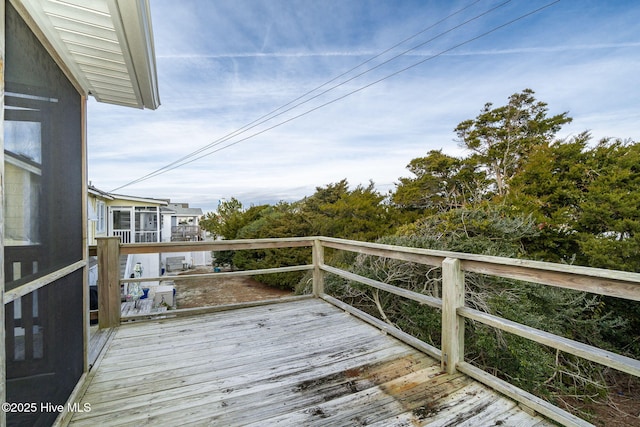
x=622, y=407
x=224, y=290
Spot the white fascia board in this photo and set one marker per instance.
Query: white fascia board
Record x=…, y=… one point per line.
x=139, y=199
x=79, y=33
x=132, y=20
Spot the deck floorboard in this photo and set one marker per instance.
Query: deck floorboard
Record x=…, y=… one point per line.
x=296, y=363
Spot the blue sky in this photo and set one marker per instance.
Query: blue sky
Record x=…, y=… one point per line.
x=223, y=64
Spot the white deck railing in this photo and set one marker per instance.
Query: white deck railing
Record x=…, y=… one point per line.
x=126, y=236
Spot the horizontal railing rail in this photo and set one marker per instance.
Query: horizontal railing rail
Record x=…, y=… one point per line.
x=220, y=274
x=454, y=312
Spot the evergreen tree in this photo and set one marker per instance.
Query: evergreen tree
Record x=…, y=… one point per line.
x=502, y=138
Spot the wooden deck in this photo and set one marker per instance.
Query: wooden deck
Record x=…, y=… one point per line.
x=144, y=306
x=299, y=363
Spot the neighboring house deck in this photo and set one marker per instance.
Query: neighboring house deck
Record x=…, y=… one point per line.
x=302, y=362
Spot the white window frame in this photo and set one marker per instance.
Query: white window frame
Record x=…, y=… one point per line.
x=101, y=213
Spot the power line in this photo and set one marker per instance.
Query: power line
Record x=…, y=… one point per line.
x=272, y=114
x=175, y=165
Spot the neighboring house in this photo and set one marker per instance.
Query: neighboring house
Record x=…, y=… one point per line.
x=180, y=223
x=97, y=202
x=140, y=220
x=144, y=220
x=53, y=55
x=133, y=219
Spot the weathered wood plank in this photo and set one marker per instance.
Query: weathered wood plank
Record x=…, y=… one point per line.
x=367, y=405
x=391, y=330
x=595, y=354
x=180, y=358
x=184, y=312
x=600, y=281
x=318, y=263
x=443, y=410
x=583, y=279
x=534, y=402
x=98, y=340
x=220, y=329
x=221, y=274
x=415, y=296
x=301, y=363
x=419, y=256
x=108, y=282
x=234, y=375
x=452, y=322
x=333, y=353
x=262, y=390
x=218, y=245
x=220, y=339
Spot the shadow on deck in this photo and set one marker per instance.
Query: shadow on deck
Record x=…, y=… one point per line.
x=296, y=363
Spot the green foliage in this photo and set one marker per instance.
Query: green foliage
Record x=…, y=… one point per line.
x=585, y=201
x=227, y=222
x=502, y=138
x=441, y=182
x=493, y=230
x=274, y=221
x=271, y=258
x=609, y=222
x=488, y=229
x=518, y=193
x=359, y=214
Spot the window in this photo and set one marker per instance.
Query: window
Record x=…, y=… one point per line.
x=121, y=219
x=101, y=213
x=146, y=224
x=23, y=172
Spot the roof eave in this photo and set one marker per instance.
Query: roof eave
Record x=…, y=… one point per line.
x=132, y=19
x=137, y=85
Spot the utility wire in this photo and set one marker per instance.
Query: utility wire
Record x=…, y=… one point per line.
x=167, y=169
x=373, y=83
x=270, y=115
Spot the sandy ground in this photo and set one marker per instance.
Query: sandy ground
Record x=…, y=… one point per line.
x=224, y=290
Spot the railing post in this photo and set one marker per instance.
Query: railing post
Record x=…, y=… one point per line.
x=318, y=274
x=452, y=324
x=108, y=281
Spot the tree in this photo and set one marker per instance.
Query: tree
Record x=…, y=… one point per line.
x=441, y=182
x=336, y=211
x=224, y=222
x=229, y=219
x=503, y=137
x=550, y=186
x=609, y=222
x=281, y=220
x=333, y=210
x=492, y=229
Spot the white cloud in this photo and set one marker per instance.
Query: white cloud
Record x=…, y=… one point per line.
x=224, y=64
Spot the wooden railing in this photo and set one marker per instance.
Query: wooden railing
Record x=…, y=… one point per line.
x=126, y=236
x=454, y=312
x=186, y=233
